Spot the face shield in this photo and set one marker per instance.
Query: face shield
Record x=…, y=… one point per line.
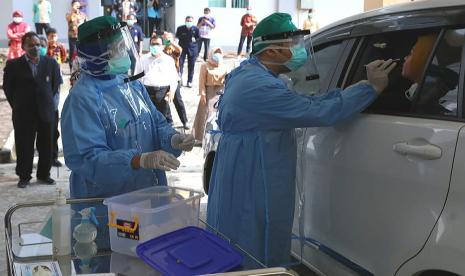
x=303, y=73
x=109, y=52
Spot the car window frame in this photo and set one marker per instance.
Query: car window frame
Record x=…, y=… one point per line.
x=346, y=45
x=360, y=45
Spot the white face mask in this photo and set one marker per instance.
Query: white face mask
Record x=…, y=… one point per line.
x=17, y=19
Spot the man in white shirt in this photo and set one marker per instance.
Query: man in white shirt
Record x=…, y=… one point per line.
x=161, y=76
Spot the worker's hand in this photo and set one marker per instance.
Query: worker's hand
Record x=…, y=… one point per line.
x=184, y=142
x=377, y=73
x=203, y=99
x=171, y=96
x=159, y=159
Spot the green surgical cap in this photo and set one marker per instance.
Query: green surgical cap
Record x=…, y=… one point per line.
x=273, y=24
x=95, y=25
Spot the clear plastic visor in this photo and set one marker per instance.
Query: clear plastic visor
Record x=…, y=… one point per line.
x=113, y=54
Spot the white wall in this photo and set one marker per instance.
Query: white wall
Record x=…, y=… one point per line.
x=326, y=13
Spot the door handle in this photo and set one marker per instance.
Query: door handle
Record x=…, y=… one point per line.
x=419, y=148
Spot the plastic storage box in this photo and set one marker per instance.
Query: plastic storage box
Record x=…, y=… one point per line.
x=144, y=214
x=189, y=251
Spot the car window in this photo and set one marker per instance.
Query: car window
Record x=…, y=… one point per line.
x=426, y=78
x=309, y=82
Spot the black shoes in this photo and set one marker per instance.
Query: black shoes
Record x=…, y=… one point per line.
x=186, y=127
x=189, y=84
x=46, y=181
x=23, y=183
x=56, y=163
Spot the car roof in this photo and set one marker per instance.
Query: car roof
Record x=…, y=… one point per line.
x=393, y=9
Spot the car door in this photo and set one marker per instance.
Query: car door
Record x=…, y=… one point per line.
x=375, y=185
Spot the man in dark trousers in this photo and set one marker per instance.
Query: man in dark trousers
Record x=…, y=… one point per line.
x=30, y=83
x=188, y=36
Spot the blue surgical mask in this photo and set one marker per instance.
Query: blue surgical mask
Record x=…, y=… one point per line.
x=119, y=65
x=217, y=57
x=131, y=22
x=189, y=24
x=43, y=51
x=155, y=49
x=298, y=59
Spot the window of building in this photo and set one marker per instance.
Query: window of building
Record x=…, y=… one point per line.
x=426, y=79
x=217, y=3
x=240, y=4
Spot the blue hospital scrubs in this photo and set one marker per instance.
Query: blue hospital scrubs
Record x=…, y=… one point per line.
x=105, y=123
x=252, y=188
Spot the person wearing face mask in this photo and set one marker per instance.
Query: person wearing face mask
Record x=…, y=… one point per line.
x=137, y=36
x=161, y=77
x=206, y=24
x=211, y=81
x=56, y=50
x=42, y=12
x=252, y=187
x=248, y=23
x=309, y=23
x=15, y=32
x=74, y=18
x=114, y=139
x=30, y=83
x=188, y=36
x=172, y=49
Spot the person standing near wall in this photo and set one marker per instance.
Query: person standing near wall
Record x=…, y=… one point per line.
x=206, y=24
x=57, y=51
x=124, y=8
x=154, y=16
x=248, y=23
x=188, y=36
x=309, y=23
x=15, y=32
x=30, y=83
x=173, y=50
x=137, y=36
x=74, y=18
x=42, y=11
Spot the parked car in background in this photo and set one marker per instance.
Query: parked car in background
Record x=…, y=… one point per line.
x=384, y=193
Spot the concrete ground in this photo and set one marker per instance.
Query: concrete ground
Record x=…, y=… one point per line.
x=188, y=175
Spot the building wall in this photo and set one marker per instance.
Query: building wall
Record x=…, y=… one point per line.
x=376, y=4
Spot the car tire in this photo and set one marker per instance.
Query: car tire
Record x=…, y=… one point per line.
x=207, y=171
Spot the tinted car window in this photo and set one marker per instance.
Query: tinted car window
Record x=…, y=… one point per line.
x=425, y=80
x=326, y=58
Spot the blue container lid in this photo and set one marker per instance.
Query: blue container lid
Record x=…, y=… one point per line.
x=189, y=251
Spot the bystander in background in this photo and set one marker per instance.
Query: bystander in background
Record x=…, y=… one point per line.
x=74, y=18
x=206, y=24
x=16, y=30
x=248, y=23
x=42, y=11
x=211, y=83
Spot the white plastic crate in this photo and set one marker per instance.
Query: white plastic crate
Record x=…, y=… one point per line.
x=142, y=215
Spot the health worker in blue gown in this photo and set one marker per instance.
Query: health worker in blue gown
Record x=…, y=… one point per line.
x=252, y=187
x=114, y=139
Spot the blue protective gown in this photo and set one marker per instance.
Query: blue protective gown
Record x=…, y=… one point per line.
x=105, y=123
x=252, y=188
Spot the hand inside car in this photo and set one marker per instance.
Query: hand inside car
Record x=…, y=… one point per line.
x=377, y=73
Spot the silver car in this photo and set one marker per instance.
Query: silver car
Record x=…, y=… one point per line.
x=384, y=193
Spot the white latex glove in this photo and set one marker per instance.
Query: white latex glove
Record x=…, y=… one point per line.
x=184, y=142
x=159, y=160
x=377, y=73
